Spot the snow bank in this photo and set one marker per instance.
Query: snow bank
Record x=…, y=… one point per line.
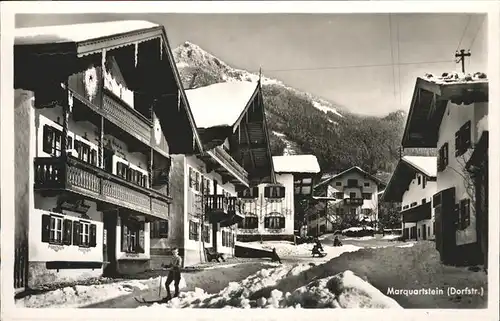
x=357, y=229
x=80, y=295
x=457, y=77
x=362, y=238
x=407, y=245
x=391, y=237
x=344, y=290
x=83, y=295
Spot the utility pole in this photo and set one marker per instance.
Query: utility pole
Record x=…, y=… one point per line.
x=461, y=55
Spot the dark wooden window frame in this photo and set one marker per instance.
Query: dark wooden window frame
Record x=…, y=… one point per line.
x=463, y=139
x=131, y=236
x=274, y=222
x=194, y=233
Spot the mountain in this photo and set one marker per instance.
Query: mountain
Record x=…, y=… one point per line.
x=300, y=122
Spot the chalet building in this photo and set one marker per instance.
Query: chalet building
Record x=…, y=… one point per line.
x=413, y=184
x=348, y=196
x=92, y=103
x=235, y=156
x=449, y=113
x=270, y=209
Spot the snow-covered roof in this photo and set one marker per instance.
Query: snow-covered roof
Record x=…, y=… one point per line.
x=456, y=78
x=220, y=104
x=425, y=164
x=296, y=164
x=77, y=32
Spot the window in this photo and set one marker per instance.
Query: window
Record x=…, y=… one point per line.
x=56, y=229
x=52, y=140
x=339, y=195
x=442, y=159
x=132, y=236
x=84, y=234
x=352, y=183
x=419, y=179
x=352, y=195
x=367, y=196
x=424, y=181
x=249, y=222
x=367, y=184
x=464, y=214
x=274, y=222
x=405, y=207
x=274, y=191
x=413, y=204
x=338, y=183
x=322, y=228
x=428, y=230
x=249, y=193
x=423, y=200
x=159, y=229
x=193, y=231
x=132, y=175
x=205, y=233
x=463, y=139
x=195, y=179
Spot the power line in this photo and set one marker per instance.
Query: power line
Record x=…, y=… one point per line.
x=477, y=33
x=463, y=33
x=360, y=66
x=399, y=67
x=392, y=55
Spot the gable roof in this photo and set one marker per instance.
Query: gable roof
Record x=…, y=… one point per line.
x=77, y=40
x=349, y=170
x=430, y=99
x=404, y=173
x=221, y=104
x=296, y=164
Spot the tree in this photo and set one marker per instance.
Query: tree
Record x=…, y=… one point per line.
x=389, y=215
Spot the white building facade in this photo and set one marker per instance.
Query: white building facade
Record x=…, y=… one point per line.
x=458, y=108
x=413, y=184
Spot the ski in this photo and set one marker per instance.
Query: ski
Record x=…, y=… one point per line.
x=144, y=301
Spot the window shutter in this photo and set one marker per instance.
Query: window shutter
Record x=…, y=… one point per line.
x=266, y=222
x=142, y=240
x=70, y=142
x=267, y=191
x=93, y=235
x=67, y=229
x=76, y=233
x=255, y=192
x=45, y=228
x=466, y=213
x=282, y=191
x=47, y=139
x=190, y=178
x=466, y=132
x=124, y=244
x=458, y=145
x=282, y=222
x=445, y=154
x=456, y=215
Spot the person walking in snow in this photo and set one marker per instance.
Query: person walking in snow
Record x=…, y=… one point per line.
x=336, y=241
x=174, y=274
x=318, y=244
x=275, y=257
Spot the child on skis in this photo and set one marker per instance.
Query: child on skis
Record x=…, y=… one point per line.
x=174, y=274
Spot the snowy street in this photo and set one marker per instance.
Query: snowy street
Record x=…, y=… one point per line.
x=350, y=276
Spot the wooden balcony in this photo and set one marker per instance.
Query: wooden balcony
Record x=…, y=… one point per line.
x=418, y=213
x=353, y=201
x=220, y=208
x=235, y=211
x=230, y=165
x=54, y=175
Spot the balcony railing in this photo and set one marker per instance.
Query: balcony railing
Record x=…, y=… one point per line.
x=74, y=175
x=221, y=208
x=418, y=213
x=229, y=161
x=353, y=201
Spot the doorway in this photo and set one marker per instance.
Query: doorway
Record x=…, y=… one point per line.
x=108, y=160
x=424, y=232
x=110, y=220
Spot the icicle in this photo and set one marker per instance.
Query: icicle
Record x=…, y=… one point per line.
x=178, y=100
x=161, y=48
x=136, y=46
x=70, y=101
x=103, y=61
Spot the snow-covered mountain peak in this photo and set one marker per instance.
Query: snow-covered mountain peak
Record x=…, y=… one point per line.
x=189, y=55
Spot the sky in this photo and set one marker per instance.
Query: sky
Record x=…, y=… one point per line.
x=325, y=54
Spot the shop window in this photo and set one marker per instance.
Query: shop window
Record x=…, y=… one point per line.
x=159, y=229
